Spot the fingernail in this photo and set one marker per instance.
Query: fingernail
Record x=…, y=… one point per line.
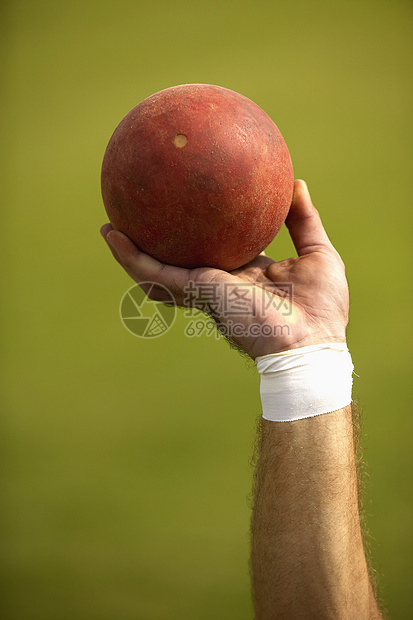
x=108, y=239
x=113, y=249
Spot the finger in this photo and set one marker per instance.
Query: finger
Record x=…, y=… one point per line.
x=144, y=268
x=304, y=223
x=104, y=230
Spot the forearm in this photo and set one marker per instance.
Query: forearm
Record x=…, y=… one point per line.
x=307, y=549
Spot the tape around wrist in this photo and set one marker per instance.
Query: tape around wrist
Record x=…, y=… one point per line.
x=305, y=382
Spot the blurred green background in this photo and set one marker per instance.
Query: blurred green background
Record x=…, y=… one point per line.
x=125, y=463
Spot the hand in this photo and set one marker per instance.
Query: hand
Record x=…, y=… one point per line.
x=313, y=312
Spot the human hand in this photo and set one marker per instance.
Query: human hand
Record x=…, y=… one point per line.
x=284, y=305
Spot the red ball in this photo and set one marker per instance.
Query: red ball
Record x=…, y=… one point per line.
x=198, y=176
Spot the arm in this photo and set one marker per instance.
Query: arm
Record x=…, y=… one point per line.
x=307, y=550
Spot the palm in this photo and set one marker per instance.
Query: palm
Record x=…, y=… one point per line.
x=302, y=310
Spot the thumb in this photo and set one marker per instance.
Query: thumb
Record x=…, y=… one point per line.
x=304, y=223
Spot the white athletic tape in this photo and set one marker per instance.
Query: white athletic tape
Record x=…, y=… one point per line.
x=305, y=382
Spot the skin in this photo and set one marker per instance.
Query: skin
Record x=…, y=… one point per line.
x=307, y=552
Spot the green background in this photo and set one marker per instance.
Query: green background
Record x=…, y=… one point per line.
x=125, y=463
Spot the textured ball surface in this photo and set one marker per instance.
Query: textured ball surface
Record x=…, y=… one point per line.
x=198, y=176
